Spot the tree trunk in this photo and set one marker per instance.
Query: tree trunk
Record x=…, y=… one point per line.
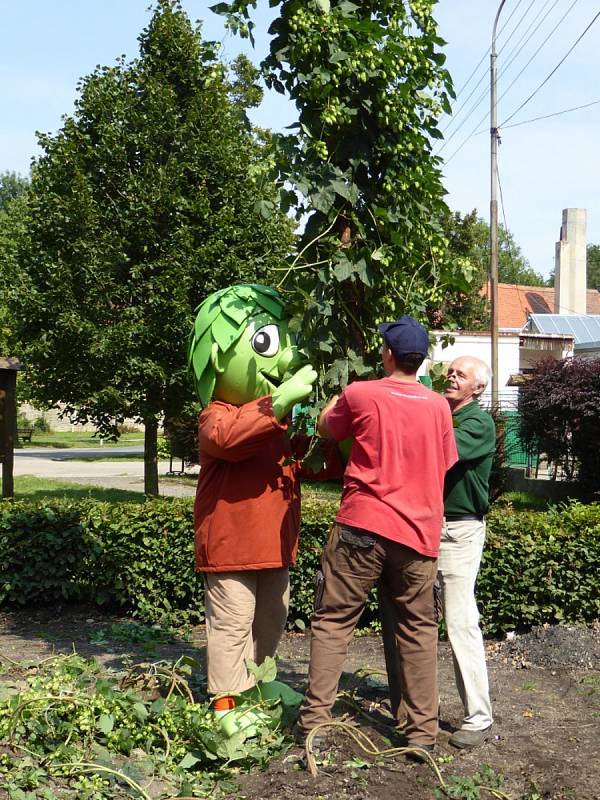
x=150, y=456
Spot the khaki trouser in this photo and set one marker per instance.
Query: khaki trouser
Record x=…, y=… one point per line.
x=460, y=555
x=461, y=547
x=353, y=561
x=245, y=617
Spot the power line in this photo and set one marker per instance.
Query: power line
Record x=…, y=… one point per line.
x=547, y=116
x=484, y=56
x=547, y=78
x=484, y=94
x=456, y=114
x=515, y=52
x=545, y=41
x=508, y=240
x=552, y=32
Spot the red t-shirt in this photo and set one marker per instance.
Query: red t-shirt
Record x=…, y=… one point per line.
x=403, y=446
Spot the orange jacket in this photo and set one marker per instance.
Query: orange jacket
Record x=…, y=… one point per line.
x=247, y=509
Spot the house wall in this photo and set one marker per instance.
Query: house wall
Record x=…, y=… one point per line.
x=479, y=345
x=530, y=357
x=59, y=424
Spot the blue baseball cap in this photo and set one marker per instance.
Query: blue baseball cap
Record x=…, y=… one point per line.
x=405, y=336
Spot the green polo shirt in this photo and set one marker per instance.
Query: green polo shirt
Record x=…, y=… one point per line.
x=467, y=485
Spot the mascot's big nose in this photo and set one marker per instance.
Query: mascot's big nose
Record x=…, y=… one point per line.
x=289, y=360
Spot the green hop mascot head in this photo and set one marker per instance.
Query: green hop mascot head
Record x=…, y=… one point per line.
x=240, y=348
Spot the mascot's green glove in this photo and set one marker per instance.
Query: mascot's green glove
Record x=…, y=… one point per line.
x=292, y=391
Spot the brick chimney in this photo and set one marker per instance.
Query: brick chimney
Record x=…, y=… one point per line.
x=571, y=263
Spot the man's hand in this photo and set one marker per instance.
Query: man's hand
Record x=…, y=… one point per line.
x=322, y=423
x=292, y=391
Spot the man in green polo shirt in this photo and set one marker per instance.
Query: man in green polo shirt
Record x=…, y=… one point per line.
x=466, y=501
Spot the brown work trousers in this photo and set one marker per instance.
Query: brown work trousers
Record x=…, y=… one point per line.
x=353, y=561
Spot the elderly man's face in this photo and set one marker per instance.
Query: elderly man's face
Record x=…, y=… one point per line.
x=462, y=386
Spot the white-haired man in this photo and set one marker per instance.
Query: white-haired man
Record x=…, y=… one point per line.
x=466, y=501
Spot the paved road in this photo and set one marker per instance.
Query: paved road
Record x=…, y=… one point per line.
x=55, y=464
x=68, y=453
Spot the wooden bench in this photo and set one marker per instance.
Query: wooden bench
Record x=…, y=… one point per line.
x=25, y=434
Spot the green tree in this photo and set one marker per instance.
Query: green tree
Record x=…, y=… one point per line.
x=468, y=238
x=465, y=310
x=369, y=84
x=12, y=185
x=144, y=202
x=13, y=188
x=593, y=266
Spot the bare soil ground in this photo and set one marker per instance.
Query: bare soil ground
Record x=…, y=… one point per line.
x=545, y=689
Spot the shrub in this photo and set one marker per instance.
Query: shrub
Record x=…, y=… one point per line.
x=23, y=420
x=560, y=415
x=181, y=434
x=41, y=425
x=136, y=557
x=537, y=566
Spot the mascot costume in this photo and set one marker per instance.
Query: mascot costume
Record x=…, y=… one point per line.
x=248, y=376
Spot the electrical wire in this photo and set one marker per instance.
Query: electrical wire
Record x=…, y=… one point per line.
x=502, y=71
x=554, y=29
x=550, y=74
x=506, y=230
x=456, y=114
x=483, y=95
x=547, y=116
x=516, y=51
x=484, y=56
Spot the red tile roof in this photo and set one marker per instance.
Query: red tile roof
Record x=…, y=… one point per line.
x=516, y=303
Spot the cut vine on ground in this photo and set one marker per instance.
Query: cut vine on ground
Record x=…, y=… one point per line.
x=96, y=707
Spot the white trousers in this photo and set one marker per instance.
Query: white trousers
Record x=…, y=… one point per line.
x=460, y=555
x=245, y=616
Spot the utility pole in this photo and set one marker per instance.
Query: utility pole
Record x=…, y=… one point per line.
x=494, y=213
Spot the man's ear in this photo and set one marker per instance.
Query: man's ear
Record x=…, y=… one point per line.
x=214, y=358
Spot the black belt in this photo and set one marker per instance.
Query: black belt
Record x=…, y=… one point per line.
x=463, y=516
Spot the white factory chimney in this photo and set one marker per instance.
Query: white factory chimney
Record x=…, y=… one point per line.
x=570, y=265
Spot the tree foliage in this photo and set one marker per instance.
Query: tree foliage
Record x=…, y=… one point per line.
x=593, y=266
x=145, y=201
x=560, y=415
x=13, y=188
x=469, y=245
x=369, y=84
x=12, y=185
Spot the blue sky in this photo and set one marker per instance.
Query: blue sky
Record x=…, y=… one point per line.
x=544, y=166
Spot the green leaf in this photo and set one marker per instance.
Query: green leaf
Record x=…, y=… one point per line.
x=188, y=761
x=158, y=706
x=337, y=55
x=266, y=672
x=348, y=8
x=265, y=208
x=324, y=5
x=140, y=711
x=106, y=722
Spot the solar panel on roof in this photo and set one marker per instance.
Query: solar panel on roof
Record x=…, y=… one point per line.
x=584, y=327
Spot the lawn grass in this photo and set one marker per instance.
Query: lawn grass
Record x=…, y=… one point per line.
x=522, y=501
x=27, y=487
x=80, y=439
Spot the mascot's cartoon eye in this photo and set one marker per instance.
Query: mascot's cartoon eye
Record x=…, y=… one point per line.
x=266, y=341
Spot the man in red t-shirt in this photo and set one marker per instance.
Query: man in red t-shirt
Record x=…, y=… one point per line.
x=388, y=527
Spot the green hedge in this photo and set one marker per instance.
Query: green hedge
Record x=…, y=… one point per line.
x=538, y=567
x=136, y=557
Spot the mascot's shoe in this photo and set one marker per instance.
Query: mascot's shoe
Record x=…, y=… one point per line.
x=464, y=739
x=234, y=719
